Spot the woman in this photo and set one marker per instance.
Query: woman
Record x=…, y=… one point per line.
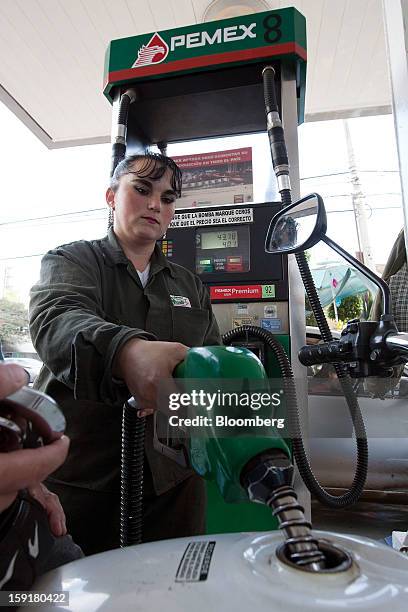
x=107, y=322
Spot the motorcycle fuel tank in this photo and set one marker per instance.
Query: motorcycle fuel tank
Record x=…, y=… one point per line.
x=232, y=573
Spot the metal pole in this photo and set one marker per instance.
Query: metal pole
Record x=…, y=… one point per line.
x=359, y=205
x=297, y=316
x=396, y=32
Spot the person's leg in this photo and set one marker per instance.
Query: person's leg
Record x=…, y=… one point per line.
x=63, y=550
x=93, y=517
x=28, y=549
x=177, y=513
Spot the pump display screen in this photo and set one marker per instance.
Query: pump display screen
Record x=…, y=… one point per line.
x=222, y=250
x=219, y=240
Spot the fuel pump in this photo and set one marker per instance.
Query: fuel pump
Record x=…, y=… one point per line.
x=250, y=296
x=240, y=270
x=198, y=74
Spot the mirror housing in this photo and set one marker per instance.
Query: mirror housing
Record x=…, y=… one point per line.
x=297, y=227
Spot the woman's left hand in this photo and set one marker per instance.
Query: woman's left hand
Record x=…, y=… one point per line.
x=51, y=504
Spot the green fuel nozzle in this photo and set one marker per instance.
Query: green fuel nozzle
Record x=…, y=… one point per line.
x=219, y=452
x=254, y=465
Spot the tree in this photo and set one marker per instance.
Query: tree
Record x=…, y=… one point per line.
x=13, y=321
x=367, y=304
x=310, y=318
x=350, y=307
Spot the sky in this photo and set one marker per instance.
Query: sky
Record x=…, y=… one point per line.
x=54, y=197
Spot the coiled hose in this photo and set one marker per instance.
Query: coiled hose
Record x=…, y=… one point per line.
x=302, y=462
x=133, y=427
x=119, y=138
x=119, y=134
x=131, y=485
x=360, y=476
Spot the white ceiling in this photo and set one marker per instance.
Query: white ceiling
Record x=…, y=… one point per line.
x=52, y=55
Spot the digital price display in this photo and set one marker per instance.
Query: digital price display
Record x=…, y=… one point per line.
x=219, y=240
x=222, y=251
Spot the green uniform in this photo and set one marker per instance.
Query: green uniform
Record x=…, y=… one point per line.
x=88, y=303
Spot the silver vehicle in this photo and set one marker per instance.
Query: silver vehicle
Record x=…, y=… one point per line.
x=330, y=426
x=31, y=366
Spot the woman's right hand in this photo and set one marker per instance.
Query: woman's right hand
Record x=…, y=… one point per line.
x=143, y=364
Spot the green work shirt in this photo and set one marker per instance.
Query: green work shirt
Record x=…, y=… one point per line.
x=88, y=303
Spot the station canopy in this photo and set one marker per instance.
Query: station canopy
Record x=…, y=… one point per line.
x=52, y=57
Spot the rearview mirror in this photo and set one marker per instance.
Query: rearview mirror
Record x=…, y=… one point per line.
x=301, y=225
x=297, y=227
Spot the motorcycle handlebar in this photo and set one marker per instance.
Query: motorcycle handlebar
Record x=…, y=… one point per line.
x=337, y=351
x=327, y=352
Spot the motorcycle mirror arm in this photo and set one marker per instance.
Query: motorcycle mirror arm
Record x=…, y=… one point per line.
x=381, y=284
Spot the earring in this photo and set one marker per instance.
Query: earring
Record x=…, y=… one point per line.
x=110, y=218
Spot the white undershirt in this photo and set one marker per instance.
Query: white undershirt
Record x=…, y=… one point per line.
x=144, y=276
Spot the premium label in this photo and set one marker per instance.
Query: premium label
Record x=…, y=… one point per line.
x=246, y=292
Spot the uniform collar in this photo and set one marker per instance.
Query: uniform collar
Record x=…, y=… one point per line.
x=116, y=255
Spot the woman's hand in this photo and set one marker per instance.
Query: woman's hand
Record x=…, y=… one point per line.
x=143, y=364
x=51, y=504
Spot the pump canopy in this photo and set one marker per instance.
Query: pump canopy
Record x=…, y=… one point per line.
x=205, y=80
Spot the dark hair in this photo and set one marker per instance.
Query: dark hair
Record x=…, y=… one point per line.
x=154, y=167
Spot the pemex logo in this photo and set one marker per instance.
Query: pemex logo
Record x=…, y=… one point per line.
x=154, y=52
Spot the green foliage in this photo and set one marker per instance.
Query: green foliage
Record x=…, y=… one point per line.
x=13, y=320
x=367, y=304
x=310, y=318
x=350, y=307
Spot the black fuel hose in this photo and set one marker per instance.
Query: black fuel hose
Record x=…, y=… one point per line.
x=131, y=485
x=281, y=166
x=119, y=137
x=302, y=462
x=360, y=476
x=133, y=427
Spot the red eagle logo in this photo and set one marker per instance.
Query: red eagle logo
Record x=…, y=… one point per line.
x=154, y=52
